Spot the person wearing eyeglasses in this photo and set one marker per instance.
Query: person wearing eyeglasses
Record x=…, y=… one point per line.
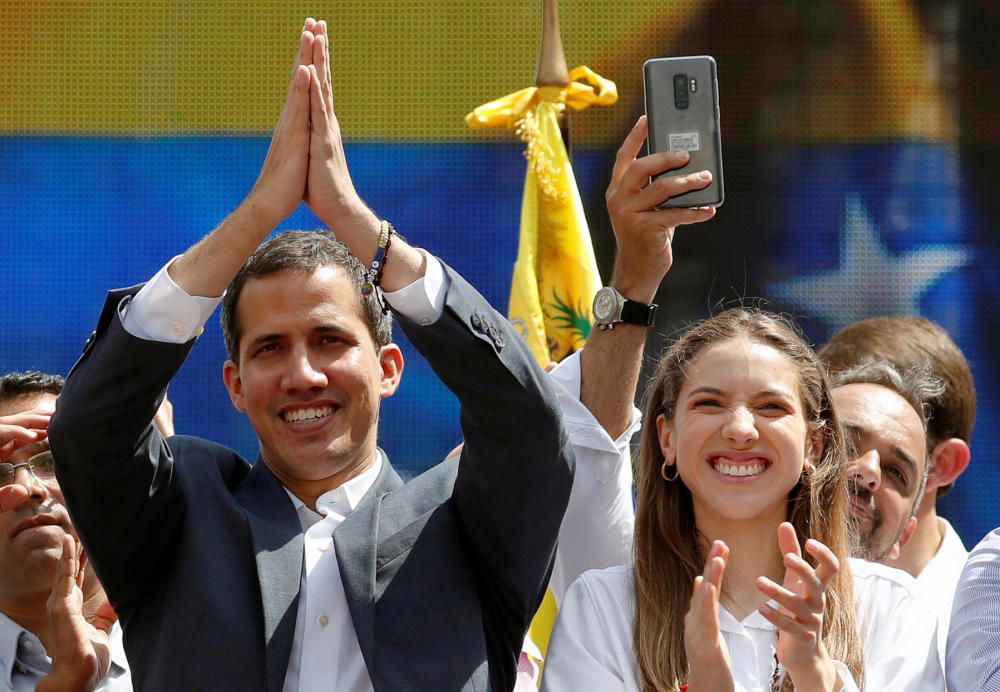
x=56, y=629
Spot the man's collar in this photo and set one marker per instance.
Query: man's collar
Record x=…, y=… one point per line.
x=346, y=496
x=10, y=632
x=10, y=636
x=20, y=647
x=117, y=649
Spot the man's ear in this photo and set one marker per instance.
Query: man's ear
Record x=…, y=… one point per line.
x=391, y=360
x=665, y=432
x=949, y=460
x=904, y=538
x=234, y=385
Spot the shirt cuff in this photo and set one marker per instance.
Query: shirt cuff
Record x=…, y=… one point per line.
x=583, y=428
x=163, y=311
x=423, y=300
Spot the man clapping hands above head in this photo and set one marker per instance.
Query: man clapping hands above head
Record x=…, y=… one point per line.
x=317, y=568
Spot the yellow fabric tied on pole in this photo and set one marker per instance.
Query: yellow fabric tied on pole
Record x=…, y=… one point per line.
x=555, y=274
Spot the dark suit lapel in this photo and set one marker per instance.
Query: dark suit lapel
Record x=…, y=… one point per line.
x=278, y=550
x=355, y=541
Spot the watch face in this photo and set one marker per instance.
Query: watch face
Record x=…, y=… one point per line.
x=604, y=305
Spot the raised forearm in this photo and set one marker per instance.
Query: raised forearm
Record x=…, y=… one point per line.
x=330, y=191
x=644, y=233
x=612, y=360
x=208, y=266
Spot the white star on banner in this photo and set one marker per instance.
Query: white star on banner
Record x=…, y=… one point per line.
x=869, y=281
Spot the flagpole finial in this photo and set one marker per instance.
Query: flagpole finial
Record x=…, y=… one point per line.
x=551, y=69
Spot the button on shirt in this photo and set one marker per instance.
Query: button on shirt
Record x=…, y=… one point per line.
x=325, y=650
x=23, y=661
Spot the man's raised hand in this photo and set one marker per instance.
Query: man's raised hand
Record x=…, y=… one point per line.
x=643, y=232
x=21, y=433
x=81, y=651
x=282, y=181
x=330, y=192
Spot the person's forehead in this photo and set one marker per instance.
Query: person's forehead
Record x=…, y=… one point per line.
x=27, y=402
x=881, y=414
x=742, y=362
x=326, y=289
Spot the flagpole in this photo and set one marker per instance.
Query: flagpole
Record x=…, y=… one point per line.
x=551, y=69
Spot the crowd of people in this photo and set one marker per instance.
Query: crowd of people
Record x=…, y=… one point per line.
x=784, y=532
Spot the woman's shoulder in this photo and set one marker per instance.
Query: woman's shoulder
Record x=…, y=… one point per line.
x=591, y=645
x=611, y=583
x=606, y=592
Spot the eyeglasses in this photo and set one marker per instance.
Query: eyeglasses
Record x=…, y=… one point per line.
x=41, y=466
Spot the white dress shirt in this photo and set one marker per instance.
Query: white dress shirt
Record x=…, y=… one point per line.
x=935, y=587
x=591, y=647
x=325, y=650
x=973, y=657
x=23, y=661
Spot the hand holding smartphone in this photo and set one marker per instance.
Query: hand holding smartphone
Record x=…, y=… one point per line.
x=682, y=109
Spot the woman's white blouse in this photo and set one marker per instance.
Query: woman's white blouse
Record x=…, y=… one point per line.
x=591, y=645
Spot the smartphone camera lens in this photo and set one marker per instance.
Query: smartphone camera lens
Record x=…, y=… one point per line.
x=681, y=91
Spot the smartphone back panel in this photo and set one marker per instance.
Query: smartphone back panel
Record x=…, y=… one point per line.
x=682, y=108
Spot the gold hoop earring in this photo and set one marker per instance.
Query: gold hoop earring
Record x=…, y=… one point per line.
x=806, y=476
x=663, y=472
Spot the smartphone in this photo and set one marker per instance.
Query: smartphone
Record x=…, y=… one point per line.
x=682, y=109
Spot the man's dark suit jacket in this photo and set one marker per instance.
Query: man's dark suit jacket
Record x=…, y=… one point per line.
x=201, y=554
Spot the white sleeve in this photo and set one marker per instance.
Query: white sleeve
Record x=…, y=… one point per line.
x=423, y=300
x=973, y=658
x=597, y=528
x=585, y=651
x=163, y=311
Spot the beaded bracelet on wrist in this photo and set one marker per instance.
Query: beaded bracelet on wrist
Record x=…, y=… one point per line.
x=375, y=269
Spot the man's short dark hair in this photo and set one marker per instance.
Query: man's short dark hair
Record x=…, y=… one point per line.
x=907, y=342
x=305, y=252
x=15, y=385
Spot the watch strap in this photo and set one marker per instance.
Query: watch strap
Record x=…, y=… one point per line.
x=634, y=312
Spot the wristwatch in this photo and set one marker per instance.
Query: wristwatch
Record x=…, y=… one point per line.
x=611, y=307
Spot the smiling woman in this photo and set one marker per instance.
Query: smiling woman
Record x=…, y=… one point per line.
x=741, y=477
x=743, y=411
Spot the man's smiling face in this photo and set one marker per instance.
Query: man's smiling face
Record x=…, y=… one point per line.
x=885, y=475
x=310, y=376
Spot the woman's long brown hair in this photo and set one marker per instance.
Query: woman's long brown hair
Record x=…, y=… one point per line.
x=668, y=551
